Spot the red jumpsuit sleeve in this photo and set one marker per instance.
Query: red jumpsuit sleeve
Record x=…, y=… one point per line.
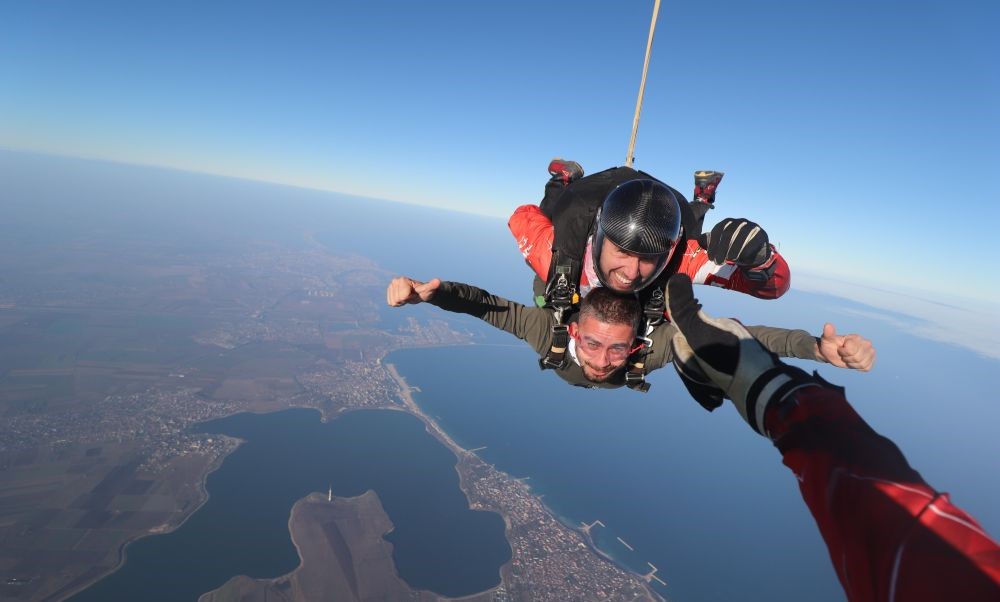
x=890, y=535
x=696, y=265
x=533, y=230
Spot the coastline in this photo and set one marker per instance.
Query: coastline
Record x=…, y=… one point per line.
x=311, y=515
x=411, y=406
x=463, y=456
x=163, y=529
x=405, y=392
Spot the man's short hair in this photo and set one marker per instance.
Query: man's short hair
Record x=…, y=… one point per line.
x=609, y=307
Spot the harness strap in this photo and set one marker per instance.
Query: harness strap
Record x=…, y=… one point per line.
x=635, y=376
x=561, y=296
x=555, y=357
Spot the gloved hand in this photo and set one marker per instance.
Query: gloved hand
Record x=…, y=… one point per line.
x=718, y=357
x=739, y=241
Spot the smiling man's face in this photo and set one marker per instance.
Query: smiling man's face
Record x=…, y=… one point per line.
x=623, y=270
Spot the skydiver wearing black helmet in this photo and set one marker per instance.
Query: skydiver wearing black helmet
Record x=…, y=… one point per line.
x=638, y=228
x=623, y=228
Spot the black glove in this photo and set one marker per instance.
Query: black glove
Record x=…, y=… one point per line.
x=718, y=356
x=739, y=241
x=698, y=384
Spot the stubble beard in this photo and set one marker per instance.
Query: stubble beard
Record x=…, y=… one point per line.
x=598, y=379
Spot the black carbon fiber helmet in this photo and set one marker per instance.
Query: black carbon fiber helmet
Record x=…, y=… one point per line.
x=642, y=218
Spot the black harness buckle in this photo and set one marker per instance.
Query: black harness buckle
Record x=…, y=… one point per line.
x=654, y=309
x=636, y=381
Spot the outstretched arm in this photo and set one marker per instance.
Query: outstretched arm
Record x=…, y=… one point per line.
x=851, y=351
x=530, y=324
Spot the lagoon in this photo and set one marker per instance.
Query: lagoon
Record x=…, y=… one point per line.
x=439, y=543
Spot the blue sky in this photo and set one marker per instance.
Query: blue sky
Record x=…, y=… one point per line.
x=862, y=135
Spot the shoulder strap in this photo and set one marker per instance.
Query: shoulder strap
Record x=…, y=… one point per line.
x=653, y=305
x=635, y=375
x=555, y=357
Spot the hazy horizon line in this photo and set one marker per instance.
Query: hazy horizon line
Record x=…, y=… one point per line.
x=197, y=171
x=958, y=324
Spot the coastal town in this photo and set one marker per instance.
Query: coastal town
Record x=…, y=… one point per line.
x=550, y=561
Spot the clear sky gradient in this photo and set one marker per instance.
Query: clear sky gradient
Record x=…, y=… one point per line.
x=862, y=135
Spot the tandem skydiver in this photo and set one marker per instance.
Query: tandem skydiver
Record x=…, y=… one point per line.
x=890, y=535
x=627, y=230
x=602, y=348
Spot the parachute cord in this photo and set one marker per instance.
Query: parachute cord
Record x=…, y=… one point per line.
x=642, y=86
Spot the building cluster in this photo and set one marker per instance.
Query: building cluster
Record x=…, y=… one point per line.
x=351, y=385
x=155, y=420
x=550, y=561
x=170, y=448
x=429, y=333
x=232, y=335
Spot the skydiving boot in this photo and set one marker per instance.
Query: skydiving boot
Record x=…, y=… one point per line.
x=565, y=171
x=705, y=183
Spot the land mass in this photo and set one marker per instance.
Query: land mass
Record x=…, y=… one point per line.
x=343, y=557
x=117, y=342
